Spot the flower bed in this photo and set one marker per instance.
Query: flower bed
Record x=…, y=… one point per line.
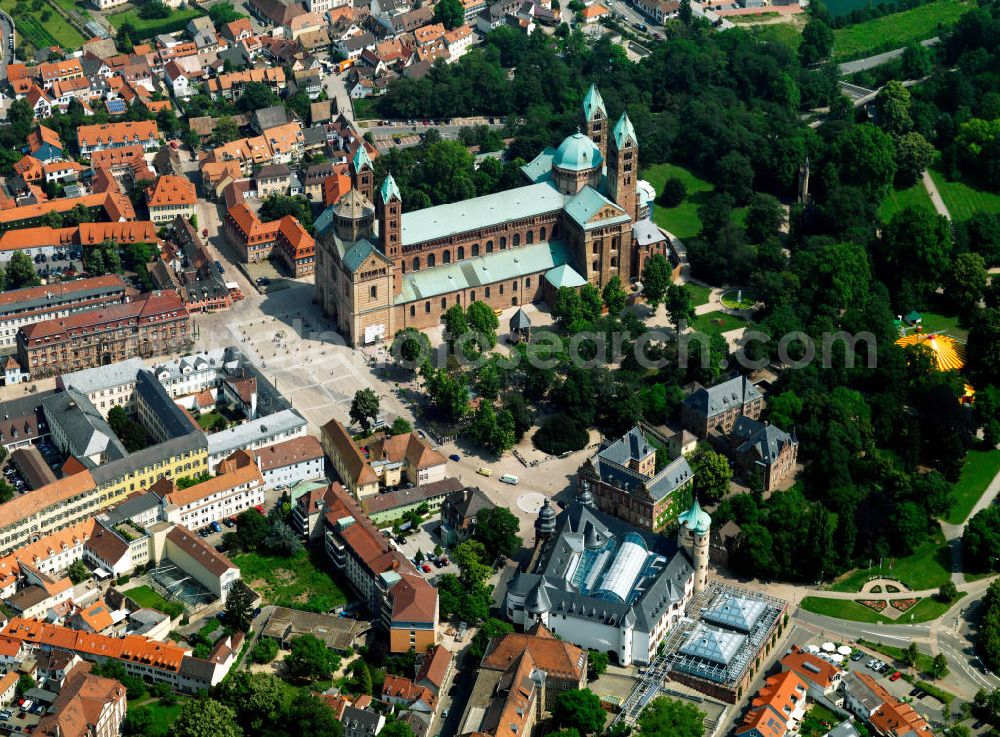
x=876, y=589
x=903, y=604
x=877, y=605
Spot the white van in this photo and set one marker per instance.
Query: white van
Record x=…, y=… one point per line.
x=509, y=478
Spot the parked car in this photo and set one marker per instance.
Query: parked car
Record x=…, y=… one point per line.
x=509, y=478
x=895, y=676
x=219, y=264
x=215, y=527
x=484, y=471
x=455, y=457
x=979, y=724
x=857, y=655
x=426, y=568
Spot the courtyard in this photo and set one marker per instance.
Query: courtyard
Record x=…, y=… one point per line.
x=301, y=582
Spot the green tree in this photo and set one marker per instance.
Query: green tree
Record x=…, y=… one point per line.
x=400, y=426
x=614, y=295
x=138, y=722
x=672, y=193
x=496, y=529
x=205, y=718
x=21, y=271
x=493, y=429
x=310, y=659
x=590, y=301
x=966, y=283
x=470, y=557
x=283, y=540
x=362, y=678
x=396, y=728
x=255, y=697
x=865, y=156
x=224, y=12
x=765, y=216
x=580, y=710
x=307, y=715
x=256, y=95
x=456, y=323
x=24, y=684
x=914, y=153
x=483, y=320
x=677, y=300
x=449, y=394
x=656, y=277
x=684, y=14
x=916, y=61
x=711, y=475
x=365, y=409
x=671, y=718
x=410, y=348
x=734, y=175
x=910, y=654
x=78, y=572
x=914, y=253
x=568, y=308
x=265, y=650
x=939, y=666
x=449, y=12
x=239, y=607
x=893, y=103
x=225, y=130
x=597, y=664
x=817, y=42
x=251, y=529
x=490, y=629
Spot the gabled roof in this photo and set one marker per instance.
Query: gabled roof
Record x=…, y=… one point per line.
x=361, y=474
x=593, y=103
x=557, y=658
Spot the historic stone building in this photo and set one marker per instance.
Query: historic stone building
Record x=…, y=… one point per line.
x=582, y=216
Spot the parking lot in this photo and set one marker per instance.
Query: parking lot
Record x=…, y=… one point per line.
x=424, y=539
x=67, y=262
x=16, y=719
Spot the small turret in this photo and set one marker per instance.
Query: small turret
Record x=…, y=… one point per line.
x=545, y=524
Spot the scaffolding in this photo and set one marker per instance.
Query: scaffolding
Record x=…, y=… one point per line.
x=652, y=679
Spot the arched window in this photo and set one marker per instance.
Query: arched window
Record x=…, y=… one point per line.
x=501, y=287
x=472, y=296
x=475, y=249
x=614, y=262
x=517, y=239
x=431, y=260
x=487, y=292
x=489, y=246
x=527, y=282
x=541, y=234
x=458, y=299
x=444, y=303
x=503, y=242
x=416, y=263
x=413, y=311
x=529, y=238
x=446, y=257
x=461, y=253
x=514, y=286
x=427, y=306
x=404, y=267
x=513, y=300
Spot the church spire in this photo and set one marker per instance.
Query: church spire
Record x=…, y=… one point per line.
x=595, y=119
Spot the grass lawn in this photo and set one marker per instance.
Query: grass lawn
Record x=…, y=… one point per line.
x=817, y=721
x=730, y=299
x=915, y=196
x=207, y=420
x=147, y=28
x=716, y=323
x=163, y=716
x=927, y=568
x=927, y=609
x=364, y=108
x=935, y=322
x=896, y=653
x=699, y=294
x=683, y=221
x=73, y=6
x=964, y=198
x=301, y=582
x=979, y=469
x=782, y=33
x=39, y=33
x=842, y=609
x=146, y=597
x=896, y=29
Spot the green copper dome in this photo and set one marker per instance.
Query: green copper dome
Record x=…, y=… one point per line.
x=576, y=153
x=389, y=190
x=696, y=519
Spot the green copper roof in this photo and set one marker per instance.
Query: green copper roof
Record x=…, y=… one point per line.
x=388, y=190
x=357, y=253
x=592, y=103
x=361, y=159
x=540, y=168
x=564, y=276
x=442, y=221
x=481, y=271
x=577, y=152
x=623, y=131
x=588, y=202
x=696, y=519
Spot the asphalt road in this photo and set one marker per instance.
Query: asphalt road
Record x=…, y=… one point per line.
x=7, y=55
x=870, y=62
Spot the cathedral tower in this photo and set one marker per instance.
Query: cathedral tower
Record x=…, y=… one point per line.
x=595, y=120
x=623, y=165
x=363, y=173
x=389, y=212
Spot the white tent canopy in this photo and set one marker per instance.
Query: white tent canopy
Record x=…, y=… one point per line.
x=829, y=647
x=844, y=650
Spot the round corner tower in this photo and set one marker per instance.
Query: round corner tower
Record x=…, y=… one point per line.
x=693, y=536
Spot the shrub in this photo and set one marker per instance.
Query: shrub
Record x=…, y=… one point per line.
x=673, y=193
x=561, y=434
x=265, y=650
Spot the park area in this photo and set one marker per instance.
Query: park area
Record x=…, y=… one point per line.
x=149, y=27
x=42, y=32
x=682, y=221
x=964, y=198
x=896, y=29
x=977, y=473
x=927, y=568
x=717, y=323
x=899, y=199
x=924, y=610
x=299, y=582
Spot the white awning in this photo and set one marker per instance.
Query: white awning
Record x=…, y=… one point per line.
x=101, y=573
